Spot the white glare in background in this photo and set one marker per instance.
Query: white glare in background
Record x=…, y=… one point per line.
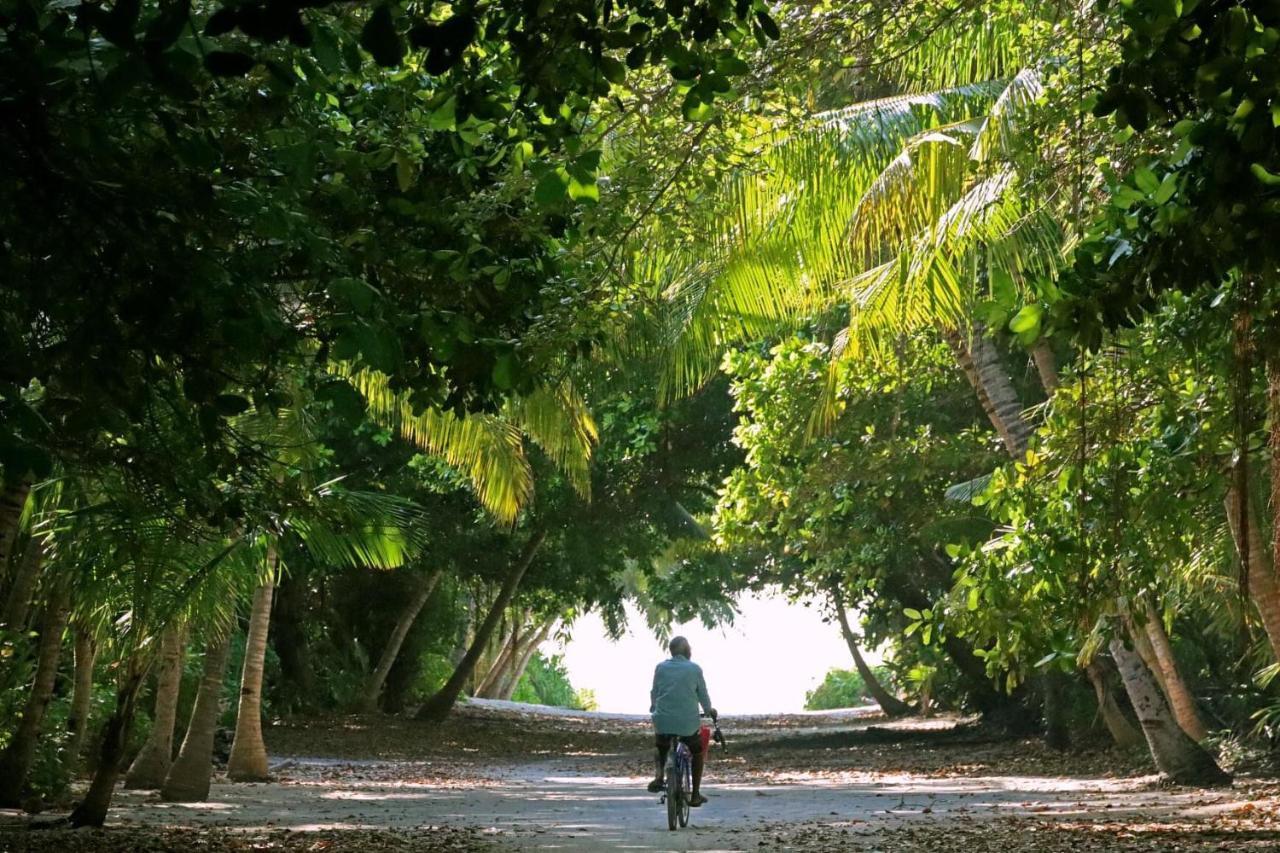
x=773, y=653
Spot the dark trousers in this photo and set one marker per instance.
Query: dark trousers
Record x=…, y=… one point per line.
x=662, y=743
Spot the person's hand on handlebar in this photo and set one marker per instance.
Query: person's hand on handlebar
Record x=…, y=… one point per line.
x=713, y=714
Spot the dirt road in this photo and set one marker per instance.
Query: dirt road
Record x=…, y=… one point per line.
x=500, y=778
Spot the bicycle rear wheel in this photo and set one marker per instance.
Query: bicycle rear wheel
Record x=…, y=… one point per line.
x=675, y=794
x=686, y=789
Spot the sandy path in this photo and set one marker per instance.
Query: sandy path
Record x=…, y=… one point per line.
x=515, y=779
x=556, y=806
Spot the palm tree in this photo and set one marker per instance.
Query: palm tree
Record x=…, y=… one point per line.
x=248, y=760
x=192, y=771
x=86, y=653
x=152, y=763
x=902, y=208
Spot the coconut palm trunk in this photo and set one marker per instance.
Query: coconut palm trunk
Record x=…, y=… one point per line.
x=1264, y=588
x=1181, y=699
x=391, y=651
x=511, y=680
x=152, y=764
x=1177, y=756
x=92, y=810
x=82, y=688
x=890, y=704
x=1046, y=365
x=437, y=707
x=191, y=772
x=19, y=755
x=17, y=604
x=248, y=761
x=1113, y=717
x=979, y=360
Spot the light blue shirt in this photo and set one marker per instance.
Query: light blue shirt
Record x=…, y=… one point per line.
x=678, y=687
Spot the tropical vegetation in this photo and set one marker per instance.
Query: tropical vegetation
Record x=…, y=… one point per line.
x=349, y=353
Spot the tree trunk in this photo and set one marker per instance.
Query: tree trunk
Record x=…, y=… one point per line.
x=438, y=706
x=1180, y=697
x=17, y=603
x=189, y=777
x=391, y=650
x=1113, y=717
x=1142, y=645
x=13, y=499
x=248, y=761
x=1177, y=756
x=82, y=689
x=1046, y=365
x=92, y=810
x=890, y=704
x=151, y=766
x=980, y=361
x=1264, y=588
x=511, y=680
x=1057, y=731
x=490, y=686
x=19, y=755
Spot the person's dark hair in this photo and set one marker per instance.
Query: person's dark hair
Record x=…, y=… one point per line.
x=679, y=646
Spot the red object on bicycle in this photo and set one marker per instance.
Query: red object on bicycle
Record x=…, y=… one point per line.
x=704, y=734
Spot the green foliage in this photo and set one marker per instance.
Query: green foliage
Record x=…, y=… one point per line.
x=841, y=688
x=546, y=682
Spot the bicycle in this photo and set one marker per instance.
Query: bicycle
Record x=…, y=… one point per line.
x=678, y=783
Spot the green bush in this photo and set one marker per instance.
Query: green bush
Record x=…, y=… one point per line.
x=841, y=688
x=546, y=682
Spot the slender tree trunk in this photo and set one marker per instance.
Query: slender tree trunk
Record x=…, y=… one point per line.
x=13, y=499
x=890, y=704
x=1264, y=588
x=512, y=678
x=391, y=650
x=248, y=761
x=1113, y=717
x=490, y=686
x=152, y=764
x=438, y=706
x=1046, y=365
x=82, y=689
x=1180, y=697
x=17, y=605
x=1177, y=756
x=19, y=755
x=92, y=810
x=190, y=775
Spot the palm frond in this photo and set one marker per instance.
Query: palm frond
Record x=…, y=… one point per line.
x=557, y=420
x=488, y=449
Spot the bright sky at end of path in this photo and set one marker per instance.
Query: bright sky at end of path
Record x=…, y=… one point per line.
x=764, y=662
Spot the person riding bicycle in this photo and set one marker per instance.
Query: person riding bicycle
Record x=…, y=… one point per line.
x=678, y=689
